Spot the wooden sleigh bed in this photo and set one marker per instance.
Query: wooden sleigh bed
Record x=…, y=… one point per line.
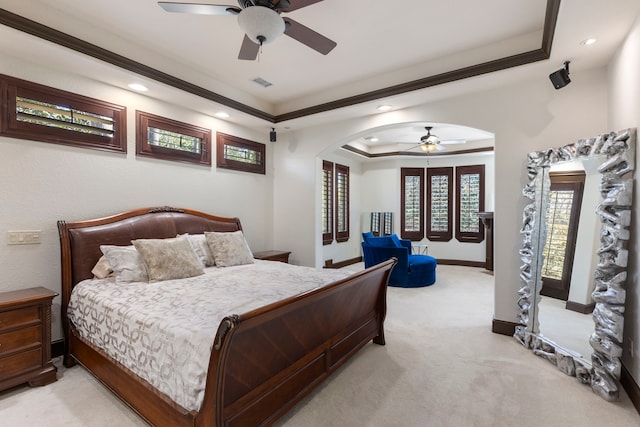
x=262, y=362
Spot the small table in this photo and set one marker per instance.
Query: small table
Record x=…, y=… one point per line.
x=420, y=249
x=281, y=256
x=25, y=337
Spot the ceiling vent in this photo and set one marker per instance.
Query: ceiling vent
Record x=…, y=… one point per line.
x=262, y=82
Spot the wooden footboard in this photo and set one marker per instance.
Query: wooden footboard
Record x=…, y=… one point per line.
x=262, y=362
x=270, y=358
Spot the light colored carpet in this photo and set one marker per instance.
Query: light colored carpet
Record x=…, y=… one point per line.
x=441, y=366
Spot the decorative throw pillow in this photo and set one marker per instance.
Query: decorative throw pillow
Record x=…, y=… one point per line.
x=168, y=259
x=126, y=263
x=229, y=248
x=201, y=248
x=102, y=269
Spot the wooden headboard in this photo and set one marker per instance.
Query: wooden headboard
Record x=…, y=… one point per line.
x=80, y=240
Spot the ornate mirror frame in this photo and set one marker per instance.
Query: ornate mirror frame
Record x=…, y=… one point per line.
x=614, y=210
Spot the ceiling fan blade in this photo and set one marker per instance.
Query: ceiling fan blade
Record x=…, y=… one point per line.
x=249, y=49
x=198, y=8
x=453, y=142
x=307, y=36
x=299, y=4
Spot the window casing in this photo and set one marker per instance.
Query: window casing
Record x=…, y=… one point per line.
x=42, y=113
x=167, y=139
x=562, y=219
x=342, y=203
x=240, y=154
x=469, y=201
x=412, y=203
x=439, y=204
x=327, y=202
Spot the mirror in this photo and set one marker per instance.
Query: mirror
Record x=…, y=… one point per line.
x=569, y=253
x=612, y=155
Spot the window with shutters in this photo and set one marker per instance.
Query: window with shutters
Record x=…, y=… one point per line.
x=342, y=203
x=440, y=204
x=562, y=218
x=335, y=203
x=42, y=113
x=469, y=201
x=327, y=202
x=412, y=203
x=167, y=139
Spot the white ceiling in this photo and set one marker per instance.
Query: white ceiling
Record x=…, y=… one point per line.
x=379, y=44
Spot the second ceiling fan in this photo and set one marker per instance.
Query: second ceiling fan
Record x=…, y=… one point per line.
x=261, y=22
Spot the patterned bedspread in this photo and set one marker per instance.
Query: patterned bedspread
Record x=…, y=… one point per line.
x=164, y=331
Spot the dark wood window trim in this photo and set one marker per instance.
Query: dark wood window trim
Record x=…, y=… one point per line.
x=145, y=121
x=415, y=235
x=225, y=162
x=440, y=235
x=113, y=139
x=466, y=236
x=564, y=181
x=341, y=203
x=327, y=202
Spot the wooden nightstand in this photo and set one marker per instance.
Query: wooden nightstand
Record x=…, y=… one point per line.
x=25, y=337
x=281, y=256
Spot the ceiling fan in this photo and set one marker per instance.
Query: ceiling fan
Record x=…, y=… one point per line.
x=261, y=22
x=430, y=142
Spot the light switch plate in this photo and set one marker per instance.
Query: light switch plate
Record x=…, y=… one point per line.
x=23, y=237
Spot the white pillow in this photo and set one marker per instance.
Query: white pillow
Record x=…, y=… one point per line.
x=126, y=263
x=229, y=248
x=168, y=259
x=201, y=248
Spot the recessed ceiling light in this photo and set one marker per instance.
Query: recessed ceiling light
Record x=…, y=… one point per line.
x=222, y=115
x=587, y=42
x=371, y=139
x=384, y=108
x=139, y=87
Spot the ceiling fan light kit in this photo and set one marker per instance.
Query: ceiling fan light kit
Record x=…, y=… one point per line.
x=261, y=24
x=428, y=147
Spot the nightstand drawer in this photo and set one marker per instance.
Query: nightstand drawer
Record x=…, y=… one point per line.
x=20, y=338
x=21, y=362
x=19, y=317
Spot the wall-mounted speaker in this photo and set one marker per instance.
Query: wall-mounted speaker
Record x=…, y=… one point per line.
x=272, y=135
x=560, y=78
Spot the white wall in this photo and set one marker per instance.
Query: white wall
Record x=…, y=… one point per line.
x=624, y=112
x=588, y=238
x=42, y=183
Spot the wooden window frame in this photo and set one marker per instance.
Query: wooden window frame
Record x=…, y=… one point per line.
x=222, y=162
x=341, y=236
x=10, y=126
x=411, y=235
x=327, y=203
x=440, y=236
x=146, y=120
x=470, y=237
x=559, y=181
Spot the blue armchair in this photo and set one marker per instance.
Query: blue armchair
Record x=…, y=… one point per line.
x=411, y=271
